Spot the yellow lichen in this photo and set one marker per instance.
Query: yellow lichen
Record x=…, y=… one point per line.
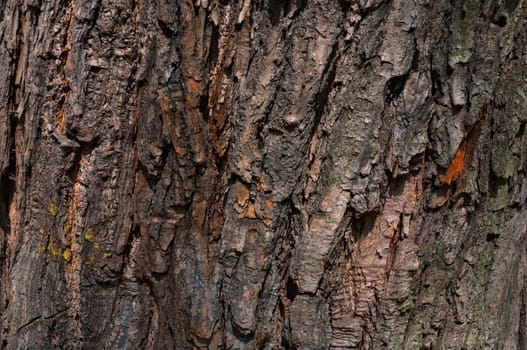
x=53, y=207
x=89, y=235
x=66, y=255
x=55, y=251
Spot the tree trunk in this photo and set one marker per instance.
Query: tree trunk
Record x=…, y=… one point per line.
x=263, y=174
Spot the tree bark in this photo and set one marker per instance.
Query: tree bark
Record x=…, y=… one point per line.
x=263, y=174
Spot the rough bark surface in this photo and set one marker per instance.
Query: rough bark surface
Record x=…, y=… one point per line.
x=263, y=174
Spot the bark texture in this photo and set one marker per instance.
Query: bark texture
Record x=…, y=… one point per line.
x=263, y=174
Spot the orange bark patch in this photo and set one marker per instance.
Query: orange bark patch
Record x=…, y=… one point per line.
x=463, y=156
x=250, y=214
x=268, y=211
x=193, y=90
x=241, y=194
x=198, y=214
x=180, y=151
x=456, y=167
x=164, y=103
x=62, y=120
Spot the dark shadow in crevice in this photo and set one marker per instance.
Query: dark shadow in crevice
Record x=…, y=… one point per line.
x=500, y=21
x=363, y=225
x=291, y=289
x=276, y=10
x=8, y=184
x=394, y=87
